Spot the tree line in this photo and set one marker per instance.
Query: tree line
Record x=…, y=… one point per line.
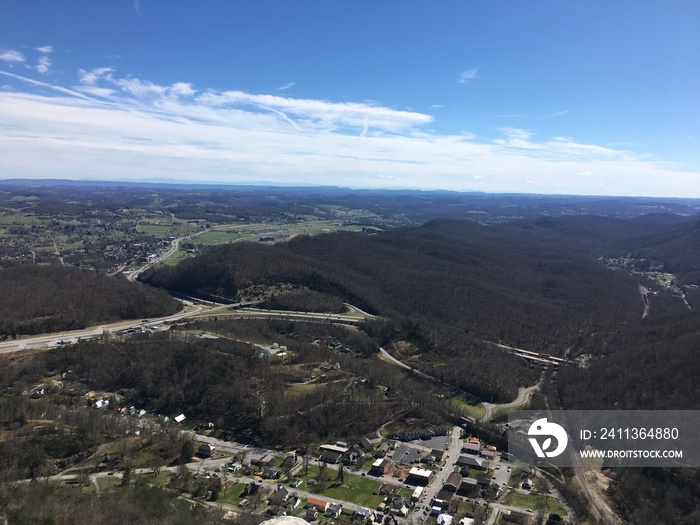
x=41, y=299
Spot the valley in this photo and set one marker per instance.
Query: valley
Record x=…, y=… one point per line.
x=277, y=328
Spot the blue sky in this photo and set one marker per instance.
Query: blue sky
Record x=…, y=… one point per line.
x=593, y=97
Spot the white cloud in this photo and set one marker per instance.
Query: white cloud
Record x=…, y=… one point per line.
x=467, y=75
x=12, y=56
x=140, y=89
x=96, y=91
x=90, y=78
x=112, y=127
x=182, y=89
x=53, y=87
x=43, y=65
x=318, y=115
x=45, y=49
x=286, y=86
x=557, y=114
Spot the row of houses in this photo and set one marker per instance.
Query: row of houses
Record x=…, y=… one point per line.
x=420, y=434
x=473, y=446
x=457, y=484
x=314, y=506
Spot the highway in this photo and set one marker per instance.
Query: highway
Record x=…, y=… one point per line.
x=192, y=309
x=536, y=357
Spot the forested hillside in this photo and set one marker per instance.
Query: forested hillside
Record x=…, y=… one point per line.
x=226, y=381
x=653, y=366
x=40, y=299
x=486, y=282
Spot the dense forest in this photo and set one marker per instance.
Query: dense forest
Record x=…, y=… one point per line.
x=47, y=503
x=652, y=367
x=476, y=278
x=41, y=299
x=226, y=381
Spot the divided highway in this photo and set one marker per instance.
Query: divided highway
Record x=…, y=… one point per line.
x=192, y=310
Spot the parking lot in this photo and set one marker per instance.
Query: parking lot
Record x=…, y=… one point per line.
x=406, y=455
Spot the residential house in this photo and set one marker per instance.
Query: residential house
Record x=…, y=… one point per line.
x=488, y=452
x=483, y=482
x=443, y=498
x=398, y=502
x=319, y=504
x=332, y=453
x=444, y=519
x=280, y=497
x=205, y=450
x=261, y=459
x=471, y=448
x=382, y=450
x=334, y=510
x=111, y=459
x=292, y=503
x=454, y=481
x=271, y=473
x=366, y=444
x=472, y=462
x=417, y=494
x=468, y=487
x=289, y=461
x=362, y=513
x=520, y=517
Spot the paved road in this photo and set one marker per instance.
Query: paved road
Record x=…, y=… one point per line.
x=524, y=394
x=49, y=340
x=192, y=310
x=451, y=456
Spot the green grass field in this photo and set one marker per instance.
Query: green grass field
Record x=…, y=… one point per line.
x=535, y=502
x=470, y=405
x=354, y=489
x=232, y=494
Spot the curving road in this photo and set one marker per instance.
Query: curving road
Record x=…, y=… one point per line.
x=524, y=395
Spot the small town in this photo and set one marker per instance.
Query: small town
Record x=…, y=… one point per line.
x=423, y=476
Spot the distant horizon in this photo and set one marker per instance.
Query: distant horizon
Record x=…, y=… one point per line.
x=264, y=184
x=545, y=98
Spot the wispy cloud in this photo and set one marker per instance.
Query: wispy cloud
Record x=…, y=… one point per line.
x=467, y=75
x=557, y=114
x=45, y=49
x=39, y=83
x=287, y=86
x=90, y=78
x=43, y=65
x=110, y=125
x=12, y=56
